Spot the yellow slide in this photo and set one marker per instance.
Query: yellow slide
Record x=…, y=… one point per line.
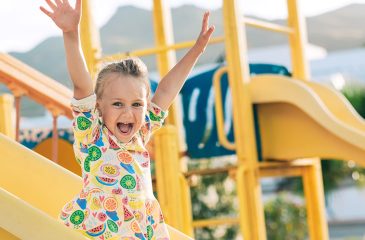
x=32, y=191
x=300, y=119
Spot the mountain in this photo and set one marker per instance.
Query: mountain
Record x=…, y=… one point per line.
x=131, y=28
x=339, y=29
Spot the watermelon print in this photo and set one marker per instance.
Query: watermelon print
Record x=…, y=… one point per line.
x=97, y=231
x=113, y=145
x=114, y=174
x=127, y=214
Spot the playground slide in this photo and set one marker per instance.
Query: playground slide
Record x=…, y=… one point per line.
x=300, y=119
x=32, y=191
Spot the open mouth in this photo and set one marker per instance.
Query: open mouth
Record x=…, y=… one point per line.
x=125, y=128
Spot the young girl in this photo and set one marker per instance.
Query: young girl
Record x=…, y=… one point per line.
x=112, y=126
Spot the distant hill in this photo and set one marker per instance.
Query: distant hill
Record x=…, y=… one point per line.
x=131, y=28
x=339, y=29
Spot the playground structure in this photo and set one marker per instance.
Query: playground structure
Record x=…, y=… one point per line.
x=296, y=122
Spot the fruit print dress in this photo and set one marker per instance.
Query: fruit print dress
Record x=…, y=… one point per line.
x=116, y=200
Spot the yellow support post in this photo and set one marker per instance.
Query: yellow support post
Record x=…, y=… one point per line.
x=6, y=118
x=298, y=41
x=170, y=181
x=90, y=38
x=251, y=214
x=314, y=196
x=312, y=176
x=162, y=25
x=185, y=205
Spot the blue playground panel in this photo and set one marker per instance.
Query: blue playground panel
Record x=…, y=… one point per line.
x=199, y=113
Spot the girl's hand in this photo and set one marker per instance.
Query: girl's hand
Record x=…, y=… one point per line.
x=205, y=34
x=63, y=15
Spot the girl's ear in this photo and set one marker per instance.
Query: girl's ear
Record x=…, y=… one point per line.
x=97, y=106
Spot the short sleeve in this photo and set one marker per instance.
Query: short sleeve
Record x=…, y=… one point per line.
x=155, y=117
x=86, y=119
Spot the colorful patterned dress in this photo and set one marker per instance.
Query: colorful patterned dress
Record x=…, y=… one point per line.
x=116, y=201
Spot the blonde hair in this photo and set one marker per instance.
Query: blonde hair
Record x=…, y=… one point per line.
x=127, y=67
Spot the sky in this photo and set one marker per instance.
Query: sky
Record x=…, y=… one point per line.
x=23, y=25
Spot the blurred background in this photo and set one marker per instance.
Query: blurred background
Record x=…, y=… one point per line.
x=336, y=53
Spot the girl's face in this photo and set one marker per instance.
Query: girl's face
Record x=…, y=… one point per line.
x=123, y=105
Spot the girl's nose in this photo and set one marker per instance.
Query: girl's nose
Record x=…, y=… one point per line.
x=126, y=109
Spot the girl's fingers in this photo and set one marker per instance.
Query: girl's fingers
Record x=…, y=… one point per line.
x=51, y=5
x=66, y=3
x=78, y=5
x=48, y=13
x=210, y=30
x=58, y=2
x=205, y=22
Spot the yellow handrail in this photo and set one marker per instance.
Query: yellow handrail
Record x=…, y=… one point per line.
x=19, y=77
x=150, y=51
x=267, y=25
x=219, y=109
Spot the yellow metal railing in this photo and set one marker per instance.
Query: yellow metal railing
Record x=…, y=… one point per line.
x=23, y=80
x=156, y=50
x=267, y=25
x=219, y=109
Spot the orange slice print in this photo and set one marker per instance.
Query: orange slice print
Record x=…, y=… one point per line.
x=125, y=157
x=110, y=204
x=135, y=227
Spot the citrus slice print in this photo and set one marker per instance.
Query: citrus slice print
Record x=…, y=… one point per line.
x=94, y=153
x=128, y=182
x=110, y=204
x=135, y=227
x=125, y=157
x=138, y=215
x=83, y=123
x=77, y=217
x=95, y=190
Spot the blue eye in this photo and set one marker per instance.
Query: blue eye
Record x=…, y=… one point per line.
x=118, y=104
x=137, y=105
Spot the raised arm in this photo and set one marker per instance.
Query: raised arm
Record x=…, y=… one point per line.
x=68, y=20
x=171, y=84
